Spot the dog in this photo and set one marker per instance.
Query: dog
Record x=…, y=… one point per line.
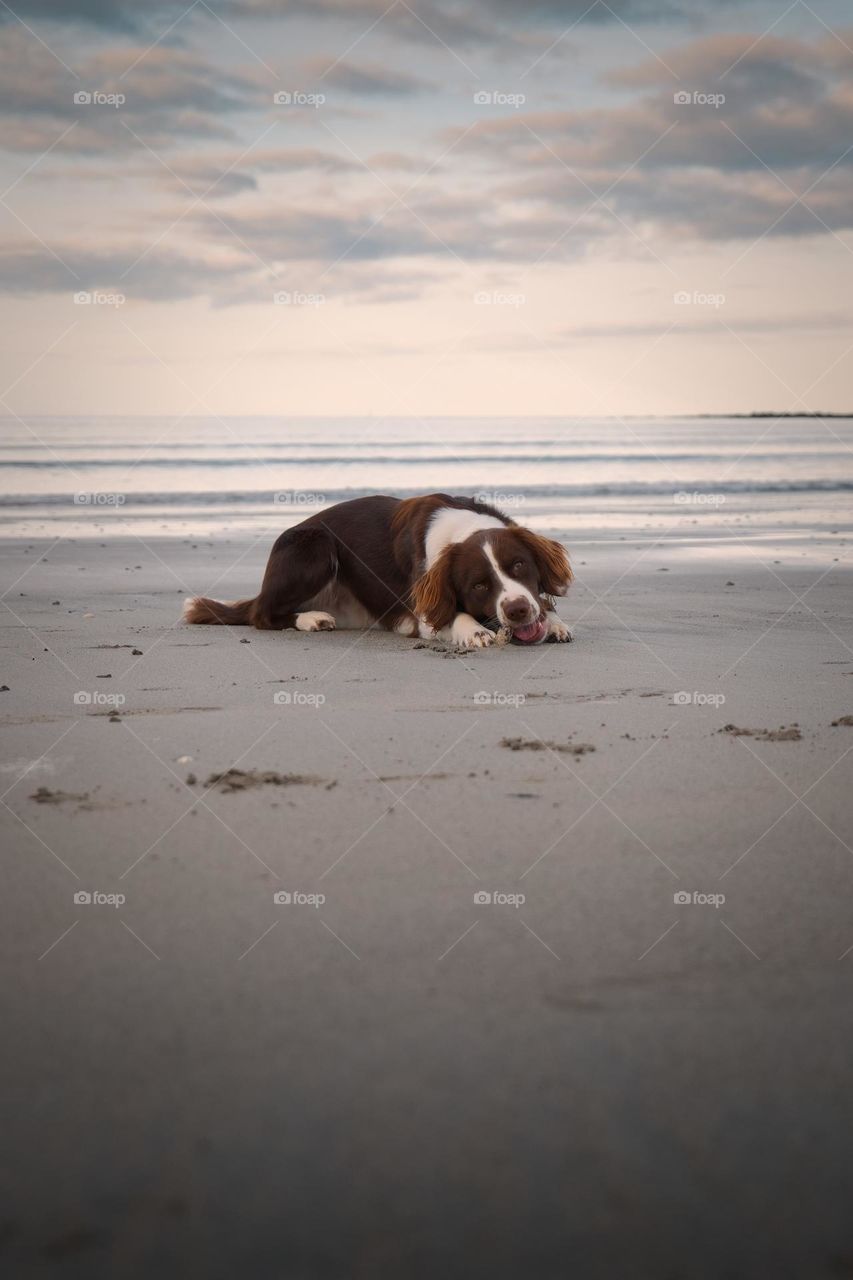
x=434, y=566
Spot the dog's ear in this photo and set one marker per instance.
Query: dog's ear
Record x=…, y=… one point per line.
x=552, y=562
x=434, y=595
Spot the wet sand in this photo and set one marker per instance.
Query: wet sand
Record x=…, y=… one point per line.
x=386, y=972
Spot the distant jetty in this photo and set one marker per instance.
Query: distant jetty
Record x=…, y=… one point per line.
x=768, y=413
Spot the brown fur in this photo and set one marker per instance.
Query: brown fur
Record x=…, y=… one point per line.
x=446, y=588
x=555, y=572
x=372, y=551
x=433, y=595
x=215, y=611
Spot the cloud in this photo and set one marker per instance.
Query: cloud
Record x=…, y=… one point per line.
x=159, y=276
x=282, y=235
x=514, y=188
x=227, y=275
x=116, y=15
x=400, y=162
x=451, y=229
x=813, y=322
x=479, y=23
x=369, y=79
x=722, y=326
x=214, y=176
x=692, y=168
x=168, y=93
x=770, y=66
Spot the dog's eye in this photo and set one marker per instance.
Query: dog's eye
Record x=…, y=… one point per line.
x=481, y=586
x=519, y=566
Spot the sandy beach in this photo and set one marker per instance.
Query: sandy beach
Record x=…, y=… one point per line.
x=481, y=969
x=351, y=955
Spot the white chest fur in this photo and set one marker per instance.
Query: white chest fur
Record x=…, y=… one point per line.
x=451, y=525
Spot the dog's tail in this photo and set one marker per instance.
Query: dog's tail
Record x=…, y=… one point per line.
x=237, y=614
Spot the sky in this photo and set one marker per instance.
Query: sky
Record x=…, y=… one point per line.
x=356, y=207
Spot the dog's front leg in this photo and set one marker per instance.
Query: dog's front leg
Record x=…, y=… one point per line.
x=466, y=632
x=558, y=632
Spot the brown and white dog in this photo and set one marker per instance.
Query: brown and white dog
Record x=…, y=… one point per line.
x=431, y=566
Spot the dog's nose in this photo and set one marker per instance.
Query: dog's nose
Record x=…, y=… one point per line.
x=517, y=610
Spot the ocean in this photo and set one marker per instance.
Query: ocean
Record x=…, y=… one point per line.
x=690, y=479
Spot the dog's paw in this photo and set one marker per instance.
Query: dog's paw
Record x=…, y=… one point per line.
x=314, y=620
x=558, y=632
x=470, y=635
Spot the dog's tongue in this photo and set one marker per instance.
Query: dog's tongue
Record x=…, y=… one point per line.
x=531, y=633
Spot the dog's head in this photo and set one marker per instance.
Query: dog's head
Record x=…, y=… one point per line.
x=498, y=576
